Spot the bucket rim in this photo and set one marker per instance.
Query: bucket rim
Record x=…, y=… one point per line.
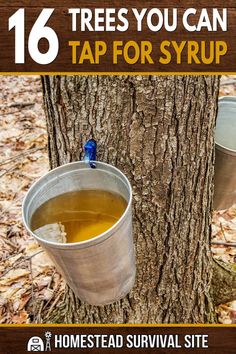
x=219, y=146
x=225, y=150
x=94, y=240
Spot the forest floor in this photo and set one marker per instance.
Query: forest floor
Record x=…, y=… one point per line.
x=30, y=288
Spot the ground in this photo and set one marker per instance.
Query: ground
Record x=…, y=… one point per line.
x=30, y=288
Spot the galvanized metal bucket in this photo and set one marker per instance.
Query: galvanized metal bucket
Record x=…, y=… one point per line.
x=100, y=270
x=225, y=163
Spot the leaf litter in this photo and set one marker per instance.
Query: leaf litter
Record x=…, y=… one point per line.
x=31, y=290
x=28, y=280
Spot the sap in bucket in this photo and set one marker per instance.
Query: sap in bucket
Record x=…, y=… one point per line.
x=90, y=208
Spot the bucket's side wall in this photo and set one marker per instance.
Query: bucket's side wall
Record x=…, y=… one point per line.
x=102, y=273
x=225, y=134
x=225, y=180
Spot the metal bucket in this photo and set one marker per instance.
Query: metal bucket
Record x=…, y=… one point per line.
x=100, y=270
x=225, y=163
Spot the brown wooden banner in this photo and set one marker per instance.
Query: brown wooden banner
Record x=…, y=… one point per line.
x=121, y=339
x=118, y=36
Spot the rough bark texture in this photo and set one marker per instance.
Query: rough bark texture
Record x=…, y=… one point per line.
x=159, y=131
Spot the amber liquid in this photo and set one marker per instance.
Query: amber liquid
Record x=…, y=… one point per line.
x=84, y=214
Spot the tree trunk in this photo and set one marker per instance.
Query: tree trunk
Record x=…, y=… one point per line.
x=159, y=130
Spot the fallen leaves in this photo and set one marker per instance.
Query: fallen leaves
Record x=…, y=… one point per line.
x=30, y=285
x=224, y=230
x=228, y=85
x=28, y=280
x=12, y=276
x=227, y=313
x=21, y=318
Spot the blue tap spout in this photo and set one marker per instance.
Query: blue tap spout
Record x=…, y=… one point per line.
x=90, y=152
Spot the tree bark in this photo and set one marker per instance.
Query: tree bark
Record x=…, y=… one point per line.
x=159, y=130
